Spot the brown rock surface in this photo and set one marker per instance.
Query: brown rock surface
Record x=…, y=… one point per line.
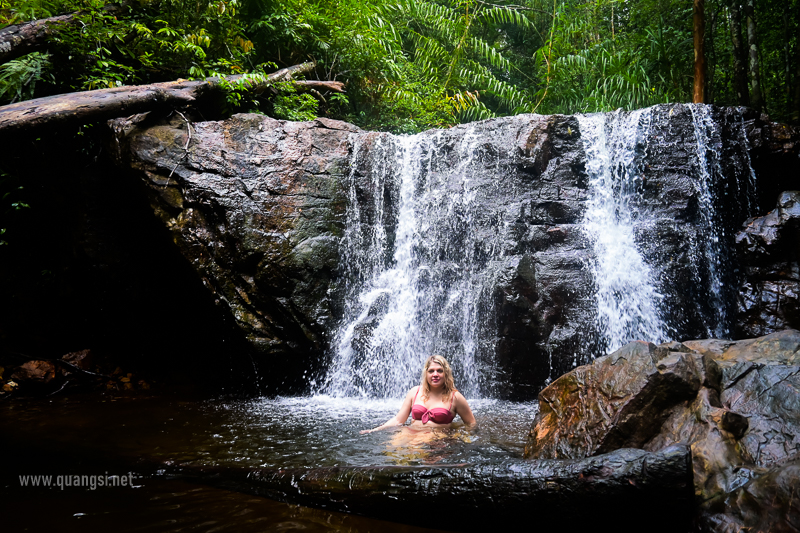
x=598, y=408
x=35, y=371
x=82, y=359
x=743, y=423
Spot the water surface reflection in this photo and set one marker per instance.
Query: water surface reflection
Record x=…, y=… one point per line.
x=145, y=434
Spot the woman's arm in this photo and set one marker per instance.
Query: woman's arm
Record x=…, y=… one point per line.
x=401, y=416
x=463, y=409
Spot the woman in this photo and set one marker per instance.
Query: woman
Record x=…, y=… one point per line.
x=435, y=402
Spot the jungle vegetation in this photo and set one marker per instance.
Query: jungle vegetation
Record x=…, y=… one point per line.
x=409, y=65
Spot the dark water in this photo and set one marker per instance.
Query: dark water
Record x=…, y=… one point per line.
x=144, y=436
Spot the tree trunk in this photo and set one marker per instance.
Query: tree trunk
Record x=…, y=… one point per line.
x=105, y=104
x=756, y=98
x=699, y=32
x=629, y=490
x=739, y=57
x=20, y=39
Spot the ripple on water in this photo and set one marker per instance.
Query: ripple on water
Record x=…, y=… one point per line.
x=79, y=435
x=324, y=431
x=314, y=431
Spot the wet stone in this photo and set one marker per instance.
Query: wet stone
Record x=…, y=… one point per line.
x=742, y=423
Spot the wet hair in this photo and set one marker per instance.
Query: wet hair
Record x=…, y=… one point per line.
x=449, y=384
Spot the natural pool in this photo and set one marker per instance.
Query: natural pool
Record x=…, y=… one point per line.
x=146, y=435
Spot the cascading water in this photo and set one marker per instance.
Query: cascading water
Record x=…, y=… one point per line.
x=453, y=235
x=419, y=272
x=627, y=300
x=711, y=251
x=629, y=293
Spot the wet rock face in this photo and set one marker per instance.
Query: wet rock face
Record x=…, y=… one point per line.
x=542, y=298
x=736, y=403
x=258, y=207
x=255, y=205
x=769, y=250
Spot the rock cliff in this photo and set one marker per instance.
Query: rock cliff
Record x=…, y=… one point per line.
x=259, y=209
x=254, y=204
x=769, y=250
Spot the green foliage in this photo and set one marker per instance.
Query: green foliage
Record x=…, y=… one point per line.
x=144, y=42
x=18, y=77
x=413, y=65
x=19, y=11
x=9, y=202
x=290, y=105
x=410, y=64
x=608, y=54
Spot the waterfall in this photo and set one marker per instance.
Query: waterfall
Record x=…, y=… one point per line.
x=448, y=230
x=417, y=270
x=629, y=294
x=627, y=300
x=711, y=251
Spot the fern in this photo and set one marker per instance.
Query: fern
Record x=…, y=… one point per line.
x=18, y=77
x=449, y=44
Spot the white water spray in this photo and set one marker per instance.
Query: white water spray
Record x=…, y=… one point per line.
x=710, y=257
x=425, y=244
x=627, y=300
x=420, y=273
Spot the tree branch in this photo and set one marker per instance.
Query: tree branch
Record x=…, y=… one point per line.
x=18, y=40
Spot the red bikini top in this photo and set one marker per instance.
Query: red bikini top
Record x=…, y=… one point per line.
x=439, y=415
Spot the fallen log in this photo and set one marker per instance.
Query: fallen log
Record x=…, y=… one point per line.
x=627, y=490
x=18, y=40
x=336, y=86
x=105, y=104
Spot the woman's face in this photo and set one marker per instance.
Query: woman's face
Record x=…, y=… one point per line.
x=435, y=374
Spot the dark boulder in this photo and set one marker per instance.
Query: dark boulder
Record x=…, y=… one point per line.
x=736, y=404
x=620, y=490
x=83, y=359
x=35, y=372
x=256, y=206
x=769, y=251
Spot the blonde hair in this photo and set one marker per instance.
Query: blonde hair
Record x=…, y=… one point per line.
x=449, y=384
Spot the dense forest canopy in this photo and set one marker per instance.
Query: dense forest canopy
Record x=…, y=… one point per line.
x=414, y=64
